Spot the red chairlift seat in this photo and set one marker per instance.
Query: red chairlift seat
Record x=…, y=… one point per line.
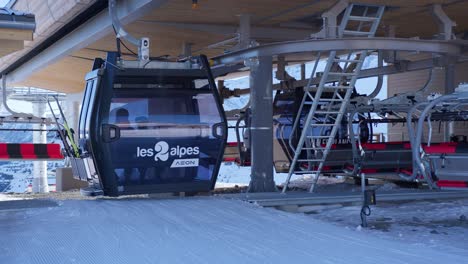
x=449, y=164
x=384, y=158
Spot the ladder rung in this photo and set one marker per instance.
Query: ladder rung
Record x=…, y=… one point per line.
x=314, y=89
x=321, y=125
x=314, y=148
x=306, y=172
x=327, y=112
x=346, y=60
x=310, y=160
x=357, y=33
x=337, y=87
x=363, y=18
x=318, y=137
x=322, y=102
x=342, y=73
x=325, y=100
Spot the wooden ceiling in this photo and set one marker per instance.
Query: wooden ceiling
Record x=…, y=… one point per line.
x=411, y=19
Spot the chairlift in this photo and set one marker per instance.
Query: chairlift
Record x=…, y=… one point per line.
x=10, y=151
x=443, y=165
x=27, y=151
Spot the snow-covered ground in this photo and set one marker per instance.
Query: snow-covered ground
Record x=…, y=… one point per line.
x=436, y=225
x=194, y=230
x=215, y=229
x=230, y=174
x=15, y=176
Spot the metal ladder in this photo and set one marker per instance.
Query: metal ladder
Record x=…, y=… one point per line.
x=338, y=79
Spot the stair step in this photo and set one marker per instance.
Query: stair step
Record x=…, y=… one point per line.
x=363, y=18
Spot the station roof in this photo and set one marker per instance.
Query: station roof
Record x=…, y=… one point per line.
x=171, y=23
x=15, y=28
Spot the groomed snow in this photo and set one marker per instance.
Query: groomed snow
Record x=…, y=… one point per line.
x=190, y=230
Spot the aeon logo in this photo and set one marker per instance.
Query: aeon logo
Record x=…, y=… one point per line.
x=162, y=152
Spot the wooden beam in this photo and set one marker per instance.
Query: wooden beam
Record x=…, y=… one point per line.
x=16, y=34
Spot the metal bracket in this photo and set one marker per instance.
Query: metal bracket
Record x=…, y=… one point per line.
x=142, y=44
x=330, y=24
x=444, y=22
x=281, y=73
x=244, y=31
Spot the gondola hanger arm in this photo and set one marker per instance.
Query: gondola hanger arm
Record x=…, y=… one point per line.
x=142, y=44
x=4, y=102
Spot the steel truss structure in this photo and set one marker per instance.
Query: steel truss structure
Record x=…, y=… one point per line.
x=444, y=52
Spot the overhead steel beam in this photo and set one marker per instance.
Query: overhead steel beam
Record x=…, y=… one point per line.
x=397, y=44
x=404, y=66
x=90, y=31
x=276, y=33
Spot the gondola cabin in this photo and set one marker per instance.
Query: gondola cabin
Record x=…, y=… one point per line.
x=152, y=128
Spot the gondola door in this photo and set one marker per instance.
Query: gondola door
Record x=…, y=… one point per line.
x=163, y=140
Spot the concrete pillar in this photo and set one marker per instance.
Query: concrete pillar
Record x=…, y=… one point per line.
x=261, y=95
x=40, y=183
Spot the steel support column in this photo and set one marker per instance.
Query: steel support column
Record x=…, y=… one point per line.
x=40, y=182
x=449, y=88
x=261, y=131
x=244, y=31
